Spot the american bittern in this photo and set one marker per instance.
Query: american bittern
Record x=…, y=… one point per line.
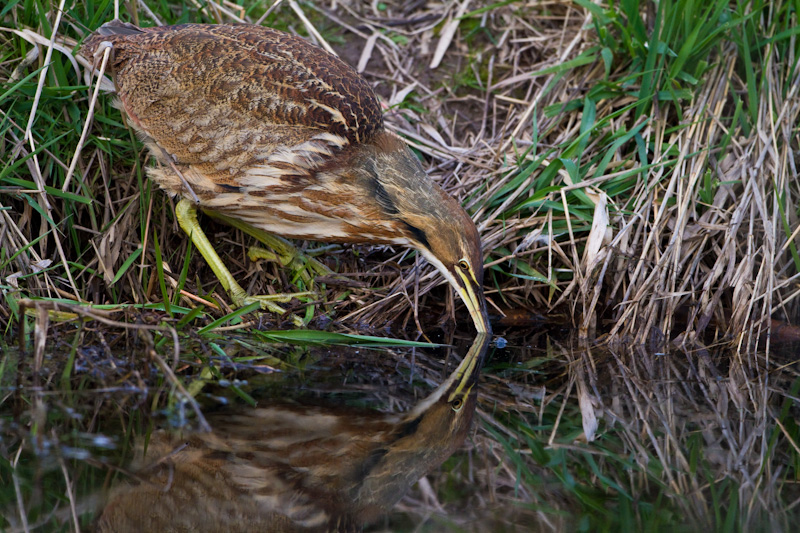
x=293, y=468
x=269, y=130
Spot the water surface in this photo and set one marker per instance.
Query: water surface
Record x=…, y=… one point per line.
x=553, y=435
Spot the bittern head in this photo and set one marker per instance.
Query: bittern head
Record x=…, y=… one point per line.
x=454, y=248
x=431, y=221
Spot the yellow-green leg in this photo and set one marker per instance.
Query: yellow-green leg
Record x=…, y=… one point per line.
x=186, y=213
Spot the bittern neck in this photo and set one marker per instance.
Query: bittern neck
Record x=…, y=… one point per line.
x=401, y=195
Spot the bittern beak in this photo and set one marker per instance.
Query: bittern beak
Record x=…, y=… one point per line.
x=472, y=293
x=468, y=285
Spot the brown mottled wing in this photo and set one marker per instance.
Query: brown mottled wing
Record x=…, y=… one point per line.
x=220, y=98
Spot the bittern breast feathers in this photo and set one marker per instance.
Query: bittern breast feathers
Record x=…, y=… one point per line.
x=268, y=129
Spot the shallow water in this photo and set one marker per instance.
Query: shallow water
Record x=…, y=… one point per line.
x=555, y=436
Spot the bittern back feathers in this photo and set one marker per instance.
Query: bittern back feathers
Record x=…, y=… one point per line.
x=267, y=129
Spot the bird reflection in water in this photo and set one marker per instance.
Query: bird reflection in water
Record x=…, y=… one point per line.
x=293, y=468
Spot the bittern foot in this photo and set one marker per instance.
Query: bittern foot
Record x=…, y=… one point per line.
x=300, y=264
x=187, y=217
x=283, y=252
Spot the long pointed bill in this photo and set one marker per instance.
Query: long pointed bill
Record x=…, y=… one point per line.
x=472, y=294
x=468, y=288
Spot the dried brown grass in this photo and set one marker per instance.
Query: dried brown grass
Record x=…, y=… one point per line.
x=726, y=266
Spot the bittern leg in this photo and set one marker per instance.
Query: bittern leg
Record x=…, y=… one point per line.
x=283, y=251
x=186, y=213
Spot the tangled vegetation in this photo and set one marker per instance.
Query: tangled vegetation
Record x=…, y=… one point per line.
x=631, y=167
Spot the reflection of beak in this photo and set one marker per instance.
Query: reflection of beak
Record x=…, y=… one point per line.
x=466, y=375
x=461, y=382
x=472, y=294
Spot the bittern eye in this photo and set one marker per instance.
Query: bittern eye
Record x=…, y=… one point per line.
x=463, y=265
x=457, y=404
